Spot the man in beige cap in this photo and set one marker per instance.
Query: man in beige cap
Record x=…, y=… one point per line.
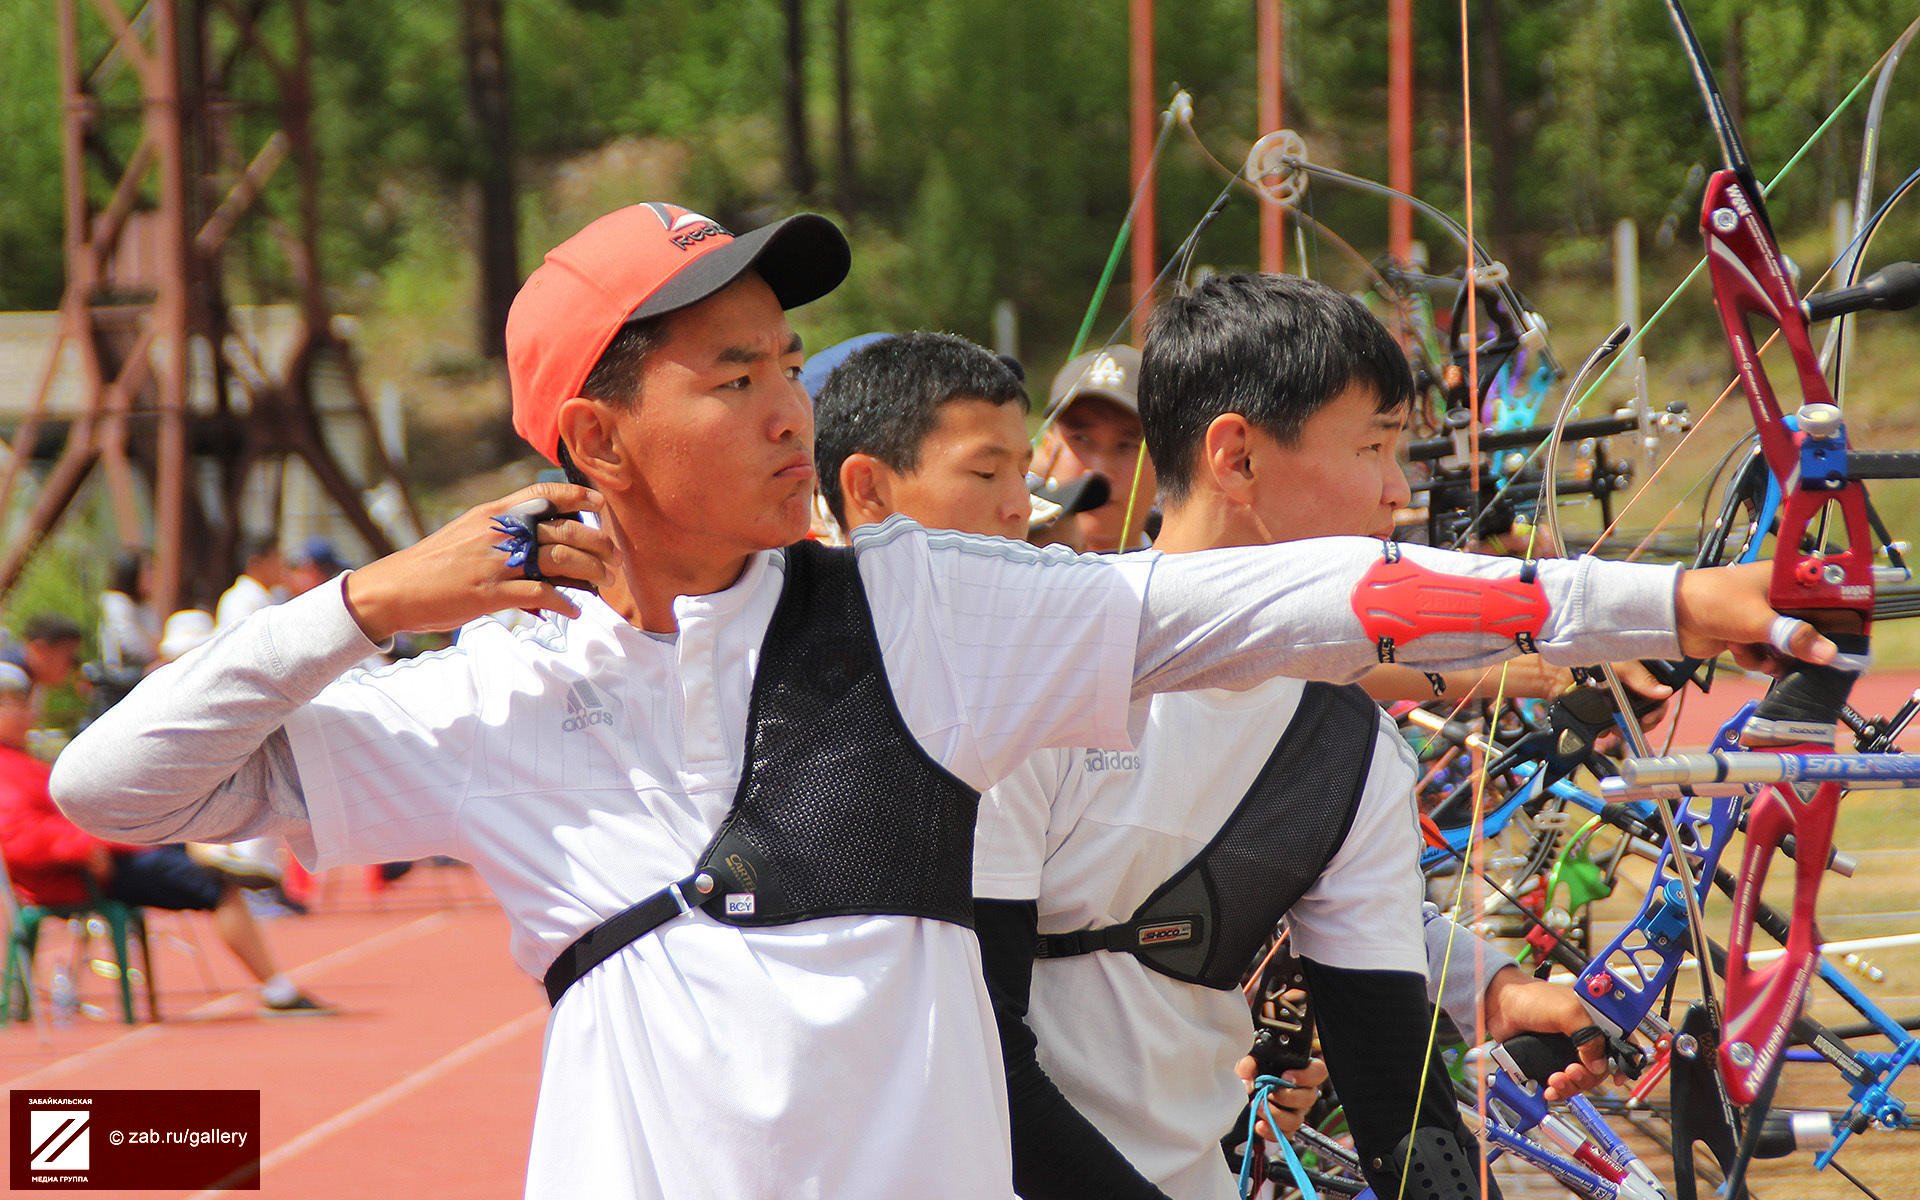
x=1093, y=428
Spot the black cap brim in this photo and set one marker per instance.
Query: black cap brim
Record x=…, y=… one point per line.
x=802, y=258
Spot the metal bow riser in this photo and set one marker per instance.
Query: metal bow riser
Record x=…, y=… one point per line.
x=1750, y=276
x=1628, y=976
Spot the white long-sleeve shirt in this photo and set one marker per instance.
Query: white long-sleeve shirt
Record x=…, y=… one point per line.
x=844, y=1057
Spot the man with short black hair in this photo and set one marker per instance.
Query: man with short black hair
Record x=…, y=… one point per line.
x=926, y=424
x=48, y=651
x=1162, y=1077
x=732, y=819
x=1273, y=408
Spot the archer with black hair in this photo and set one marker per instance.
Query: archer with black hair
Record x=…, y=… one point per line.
x=1273, y=348
x=927, y=423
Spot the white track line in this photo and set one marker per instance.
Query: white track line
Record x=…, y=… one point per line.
x=223, y=1005
x=1889, y=942
x=394, y=1092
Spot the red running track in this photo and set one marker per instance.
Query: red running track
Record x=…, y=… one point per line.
x=423, y=1086
x=1878, y=693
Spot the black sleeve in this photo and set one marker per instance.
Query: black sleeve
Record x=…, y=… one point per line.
x=1374, y=1033
x=1057, y=1153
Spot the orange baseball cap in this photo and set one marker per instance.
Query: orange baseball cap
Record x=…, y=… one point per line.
x=637, y=262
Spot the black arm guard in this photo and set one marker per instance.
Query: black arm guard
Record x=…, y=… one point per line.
x=1057, y=1153
x=1373, y=1031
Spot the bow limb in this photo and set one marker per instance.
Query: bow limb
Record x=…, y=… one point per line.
x=1833, y=353
x=1673, y=297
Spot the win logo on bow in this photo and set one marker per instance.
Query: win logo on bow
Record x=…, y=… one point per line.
x=584, y=708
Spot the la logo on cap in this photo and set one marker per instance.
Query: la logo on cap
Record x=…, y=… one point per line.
x=1105, y=373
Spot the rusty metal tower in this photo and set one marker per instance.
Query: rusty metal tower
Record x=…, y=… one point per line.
x=193, y=299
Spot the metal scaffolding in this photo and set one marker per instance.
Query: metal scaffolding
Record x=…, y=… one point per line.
x=190, y=179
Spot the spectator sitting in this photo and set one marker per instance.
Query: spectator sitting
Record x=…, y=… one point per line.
x=128, y=638
x=54, y=862
x=49, y=650
x=258, y=585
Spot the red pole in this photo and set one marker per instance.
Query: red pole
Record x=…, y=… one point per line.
x=1400, y=125
x=1144, y=265
x=167, y=125
x=1273, y=246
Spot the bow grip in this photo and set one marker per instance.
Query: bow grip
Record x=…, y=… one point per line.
x=1800, y=710
x=1536, y=1056
x=1272, y=1054
x=1803, y=705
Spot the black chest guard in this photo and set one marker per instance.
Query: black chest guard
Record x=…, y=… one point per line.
x=1206, y=923
x=839, y=810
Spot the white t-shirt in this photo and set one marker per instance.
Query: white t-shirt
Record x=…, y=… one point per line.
x=246, y=597
x=583, y=764
x=1149, y=1059
x=128, y=637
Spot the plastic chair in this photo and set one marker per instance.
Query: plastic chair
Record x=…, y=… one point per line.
x=124, y=923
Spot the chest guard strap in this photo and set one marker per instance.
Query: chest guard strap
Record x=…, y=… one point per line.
x=839, y=811
x=1206, y=923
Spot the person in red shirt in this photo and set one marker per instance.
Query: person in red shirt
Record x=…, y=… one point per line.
x=54, y=862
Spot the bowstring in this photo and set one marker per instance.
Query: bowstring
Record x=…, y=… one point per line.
x=1177, y=264
x=1099, y=298
x=1475, y=855
x=1476, y=844
x=1678, y=851
x=1861, y=239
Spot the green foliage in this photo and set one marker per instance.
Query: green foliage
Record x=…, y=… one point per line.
x=992, y=135
x=59, y=580
x=30, y=227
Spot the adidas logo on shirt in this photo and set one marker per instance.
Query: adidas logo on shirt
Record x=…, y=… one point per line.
x=1112, y=760
x=584, y=708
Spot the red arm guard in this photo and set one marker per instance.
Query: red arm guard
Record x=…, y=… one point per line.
x=1398, y=601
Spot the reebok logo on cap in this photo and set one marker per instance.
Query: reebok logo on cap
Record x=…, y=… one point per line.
x=685, y=229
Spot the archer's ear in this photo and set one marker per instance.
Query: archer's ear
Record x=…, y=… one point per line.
x=864, y=490
x=1226, y=457
x=587, y=427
